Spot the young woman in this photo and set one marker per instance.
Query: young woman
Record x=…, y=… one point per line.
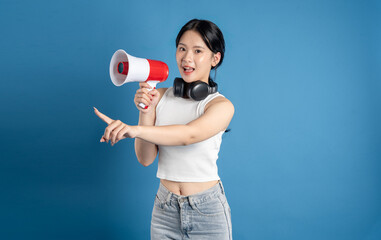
x=184, y=124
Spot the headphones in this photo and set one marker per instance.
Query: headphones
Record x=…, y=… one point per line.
x=197, y=90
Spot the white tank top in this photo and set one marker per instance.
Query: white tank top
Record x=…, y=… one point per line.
x=192, y=163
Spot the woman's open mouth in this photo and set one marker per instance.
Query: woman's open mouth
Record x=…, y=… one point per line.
x=188, y=70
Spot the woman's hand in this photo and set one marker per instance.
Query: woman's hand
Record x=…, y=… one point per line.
x=116, y=130
x=150, y=98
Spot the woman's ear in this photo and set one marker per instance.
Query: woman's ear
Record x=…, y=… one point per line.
x=216, y=59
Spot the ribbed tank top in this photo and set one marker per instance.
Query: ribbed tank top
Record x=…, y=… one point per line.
x=194, y=162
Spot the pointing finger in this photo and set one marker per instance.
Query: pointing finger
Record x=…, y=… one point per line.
x=102, y=116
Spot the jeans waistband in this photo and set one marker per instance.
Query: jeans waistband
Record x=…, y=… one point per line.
x=166, y=196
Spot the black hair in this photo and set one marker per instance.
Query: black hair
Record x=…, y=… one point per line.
x=212, y=37
x=210, y=33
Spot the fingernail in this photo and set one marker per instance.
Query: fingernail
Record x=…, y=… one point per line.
x=145, y=107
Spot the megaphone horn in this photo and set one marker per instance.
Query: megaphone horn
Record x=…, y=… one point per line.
x=126, y=68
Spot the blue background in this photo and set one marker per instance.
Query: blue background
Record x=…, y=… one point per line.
x=302, y=160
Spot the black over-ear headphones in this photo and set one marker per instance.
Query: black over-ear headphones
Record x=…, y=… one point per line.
x=197, y=90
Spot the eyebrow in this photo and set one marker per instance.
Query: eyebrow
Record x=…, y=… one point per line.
x=193, y=47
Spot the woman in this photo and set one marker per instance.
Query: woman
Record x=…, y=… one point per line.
x=185, y=129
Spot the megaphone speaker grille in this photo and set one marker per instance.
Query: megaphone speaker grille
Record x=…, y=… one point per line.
x=123, y=68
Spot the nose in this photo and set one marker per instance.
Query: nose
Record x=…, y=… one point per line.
x=187, y=57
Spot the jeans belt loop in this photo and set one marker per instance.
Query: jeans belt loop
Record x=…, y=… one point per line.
x=190, y=199
x=168, y=200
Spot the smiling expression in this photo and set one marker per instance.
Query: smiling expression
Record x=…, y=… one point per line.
x=194, y=58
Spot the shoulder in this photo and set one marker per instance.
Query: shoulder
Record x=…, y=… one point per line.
x=161, y=91
x=222, y=102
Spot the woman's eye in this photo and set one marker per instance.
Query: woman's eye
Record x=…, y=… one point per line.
x=198, y=51
x=182, y=49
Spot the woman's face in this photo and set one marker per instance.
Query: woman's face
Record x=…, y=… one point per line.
x=194, y=59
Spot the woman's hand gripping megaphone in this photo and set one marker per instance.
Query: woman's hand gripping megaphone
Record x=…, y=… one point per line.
x=146, y=96
x=150, y=87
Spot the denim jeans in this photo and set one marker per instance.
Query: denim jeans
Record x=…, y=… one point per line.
x=205, y=215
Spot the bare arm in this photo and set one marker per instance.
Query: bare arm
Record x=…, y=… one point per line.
x=215, y=119
x=146, y=152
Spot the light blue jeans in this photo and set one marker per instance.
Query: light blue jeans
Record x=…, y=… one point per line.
x=205, y=215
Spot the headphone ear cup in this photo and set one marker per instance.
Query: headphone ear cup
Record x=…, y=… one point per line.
x=198, y=90
x=178, y=87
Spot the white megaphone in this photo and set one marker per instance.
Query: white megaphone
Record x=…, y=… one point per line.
x=125, y=68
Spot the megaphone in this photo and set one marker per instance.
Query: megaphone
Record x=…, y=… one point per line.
x=125, y=68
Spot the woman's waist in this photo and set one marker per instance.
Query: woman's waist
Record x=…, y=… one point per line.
x=187, y=188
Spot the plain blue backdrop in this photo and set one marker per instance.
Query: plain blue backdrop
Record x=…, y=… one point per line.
x=302, y=160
